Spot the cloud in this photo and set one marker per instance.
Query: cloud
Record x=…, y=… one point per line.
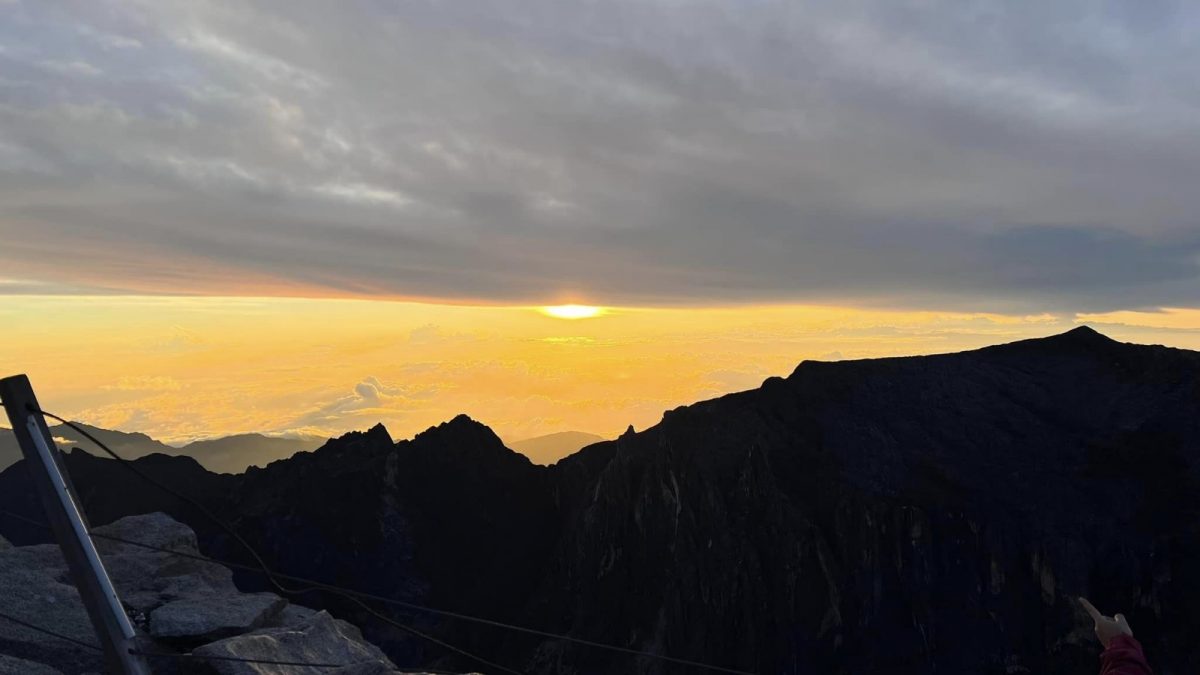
x=432, y=334
x=728, y=380
x=370, y=400
x=69, y=68
x=1023, y=157
x=145, y=383
x=363, y=194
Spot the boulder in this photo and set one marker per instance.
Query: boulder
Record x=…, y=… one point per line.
x=34, y=588
x=146, y=579
x=11, y=665
x=148, y=529
x=322, y=639
x=207, y=617
x=183, y=604
x=292, y=616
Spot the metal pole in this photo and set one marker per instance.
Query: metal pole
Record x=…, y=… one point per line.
x=70, y=529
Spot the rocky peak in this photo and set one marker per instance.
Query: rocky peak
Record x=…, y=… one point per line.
x=462, y=428
x=369, y=441
x=380, y=432
x=462, y=441
x=1083, y=340
x=1085, y=334
x=349, y=451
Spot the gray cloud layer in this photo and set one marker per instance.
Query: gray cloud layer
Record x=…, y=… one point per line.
x=979, y=154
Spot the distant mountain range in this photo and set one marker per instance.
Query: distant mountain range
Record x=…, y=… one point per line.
x=933, y=514
x=231, y=454
x=234, y=454
x=550, y=448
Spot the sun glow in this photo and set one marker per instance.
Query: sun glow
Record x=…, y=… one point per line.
x=572, y=311
x=183, y=368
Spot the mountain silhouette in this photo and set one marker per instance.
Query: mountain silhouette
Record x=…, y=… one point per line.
x=126, y=444
x=236, y=453
x=900, y=515
x=228, y=454
x=550, y=448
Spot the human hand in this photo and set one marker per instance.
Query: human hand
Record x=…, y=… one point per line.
x=1106, y=628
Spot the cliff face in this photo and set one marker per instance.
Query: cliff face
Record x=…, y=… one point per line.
x=450, y=519
x=913, y=515
x=932, y=514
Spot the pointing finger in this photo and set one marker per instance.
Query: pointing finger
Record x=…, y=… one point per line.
x=1091, y=609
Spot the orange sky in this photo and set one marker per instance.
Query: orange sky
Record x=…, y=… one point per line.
x=185, y=368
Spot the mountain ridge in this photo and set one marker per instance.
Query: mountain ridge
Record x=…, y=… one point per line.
x=550, y=448
x=224, y=454
x=902, y=515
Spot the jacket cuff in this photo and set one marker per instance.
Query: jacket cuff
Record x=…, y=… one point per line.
x=1123, y=642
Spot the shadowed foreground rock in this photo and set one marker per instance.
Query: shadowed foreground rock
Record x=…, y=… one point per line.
x=10, y=665
x=198, y=620
x=320, y=639
x=187, y=604
x=35, y=589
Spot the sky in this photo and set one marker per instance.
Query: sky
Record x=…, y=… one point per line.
x=228, y=216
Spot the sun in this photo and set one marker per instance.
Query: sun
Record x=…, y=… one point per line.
x=572, y=311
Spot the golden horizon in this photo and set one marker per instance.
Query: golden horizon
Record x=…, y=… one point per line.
x=180, y=368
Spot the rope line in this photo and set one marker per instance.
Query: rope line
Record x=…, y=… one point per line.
x=49, y=632
x=270, y=662
x=183, y=554
x=201, y=657
x=318, y=585
x=236, y=659
x=413, y=607
x=266, y=571
x=355, y=596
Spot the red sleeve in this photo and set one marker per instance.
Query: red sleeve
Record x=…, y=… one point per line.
x=1123, y=656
